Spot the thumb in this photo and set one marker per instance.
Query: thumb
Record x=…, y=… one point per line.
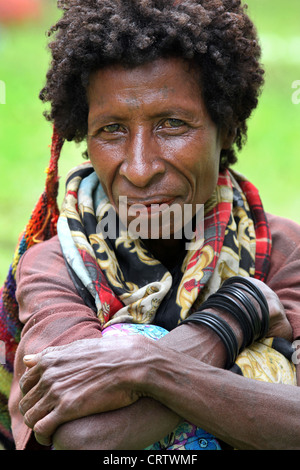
x=31, y=360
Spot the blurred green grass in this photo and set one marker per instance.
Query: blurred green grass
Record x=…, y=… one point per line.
x=270, y=159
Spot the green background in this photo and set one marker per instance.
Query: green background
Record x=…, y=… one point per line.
x=270, y=159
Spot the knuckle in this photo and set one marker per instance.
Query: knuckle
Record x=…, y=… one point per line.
x=45, y=381
x=43, y=363
x=41, y=428
x=29, y=419
x=64, y=403
x=22, y=408
x=22, y=383
x=55, y=391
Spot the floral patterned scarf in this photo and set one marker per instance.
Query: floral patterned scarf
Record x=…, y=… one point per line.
x=122, y=281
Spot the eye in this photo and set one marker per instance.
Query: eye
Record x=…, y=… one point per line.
x=111, y=128
x=110, y=132
x=173, y=123
x=172, y=126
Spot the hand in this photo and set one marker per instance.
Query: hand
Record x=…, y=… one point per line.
x=83, y=378
x=279, y=324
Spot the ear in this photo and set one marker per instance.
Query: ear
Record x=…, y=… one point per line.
x=228, y=137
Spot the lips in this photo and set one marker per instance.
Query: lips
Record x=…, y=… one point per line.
x=125, y=203
x=151, y=205
x=150, y=201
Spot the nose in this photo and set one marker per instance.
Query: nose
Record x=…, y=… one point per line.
x=143, y=160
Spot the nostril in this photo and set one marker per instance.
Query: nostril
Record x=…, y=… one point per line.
x=141, y=173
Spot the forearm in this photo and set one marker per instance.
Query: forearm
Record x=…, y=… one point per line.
x=131, y=428
x=244, y=413
x=193, y=340
x=187, y=340
x=125, y=428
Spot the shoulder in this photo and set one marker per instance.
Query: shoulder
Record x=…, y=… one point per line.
x=283, y=277
x=285, y=235
x=45, y=257
x=278, y=223
x=285, y=255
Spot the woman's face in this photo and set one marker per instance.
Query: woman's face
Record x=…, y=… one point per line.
x=150, y=137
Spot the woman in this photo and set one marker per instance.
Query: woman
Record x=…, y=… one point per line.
x=161, y=92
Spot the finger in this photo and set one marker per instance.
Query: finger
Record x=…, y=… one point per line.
x=43, y=440
x=46, y=427
x=30, y=400
x=29, y=379
x=37, y=412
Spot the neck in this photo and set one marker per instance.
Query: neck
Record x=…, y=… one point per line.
x=168, y=252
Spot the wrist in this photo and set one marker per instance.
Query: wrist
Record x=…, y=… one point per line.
x=145, y=365
x=232, y=322
x=251, y=322
x=200, y=342
x=160, y=371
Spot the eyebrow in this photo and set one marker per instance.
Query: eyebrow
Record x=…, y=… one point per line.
x=177, y=111
x=105, y=118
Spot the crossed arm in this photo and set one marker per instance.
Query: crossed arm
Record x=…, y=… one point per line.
x=243, y=413
x=72, y=396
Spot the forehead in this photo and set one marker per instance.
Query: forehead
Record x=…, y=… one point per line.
x=160, y=79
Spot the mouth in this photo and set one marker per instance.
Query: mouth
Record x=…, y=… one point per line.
x=151, y=205
x=157, y=200
x=160, y=216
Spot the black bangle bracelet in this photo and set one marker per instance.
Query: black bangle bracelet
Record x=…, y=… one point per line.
x=221, y=328
x=265, y=315
x=245, y=301
x=257, y=294
x=250, y=285
x=233, y=298
x=229, y=305
x=264, y=308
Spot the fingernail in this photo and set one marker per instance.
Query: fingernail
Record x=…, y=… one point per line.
x=28, y=357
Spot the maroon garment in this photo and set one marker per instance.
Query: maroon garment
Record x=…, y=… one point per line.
x=54, y=314
x=284, y=273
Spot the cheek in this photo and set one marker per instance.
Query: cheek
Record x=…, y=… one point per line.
x=206, y=181
x=103, y=161
x=204, y=168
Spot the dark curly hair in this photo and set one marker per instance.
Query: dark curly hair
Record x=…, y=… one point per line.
x=215, y=34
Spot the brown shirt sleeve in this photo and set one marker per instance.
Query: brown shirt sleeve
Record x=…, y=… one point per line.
x=52, y=312
x=284, y=274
